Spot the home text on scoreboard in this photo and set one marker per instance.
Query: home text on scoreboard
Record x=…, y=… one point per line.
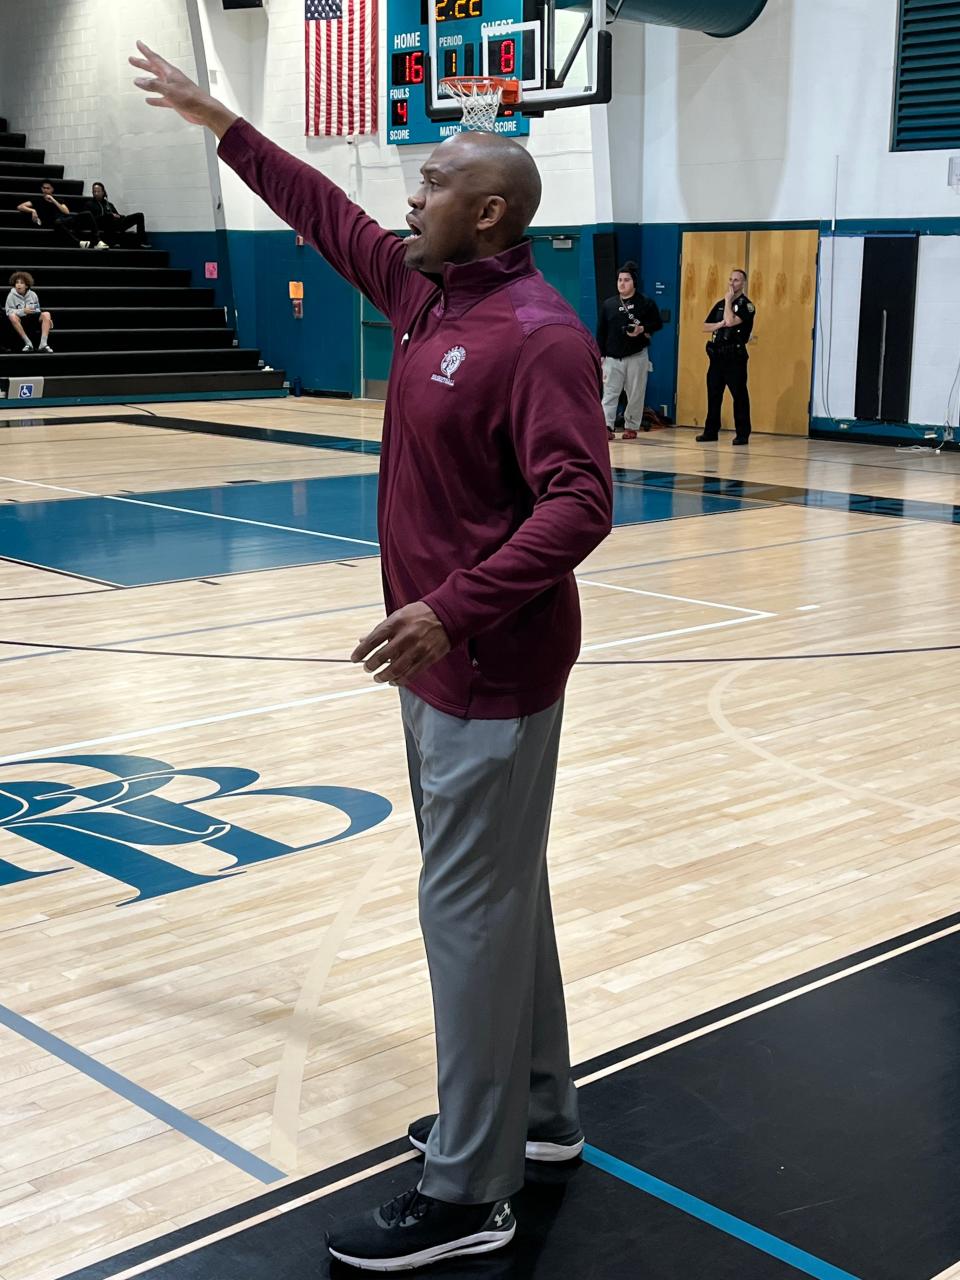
x=469, y=33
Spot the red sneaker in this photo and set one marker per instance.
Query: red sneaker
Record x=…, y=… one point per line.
x=629, y=435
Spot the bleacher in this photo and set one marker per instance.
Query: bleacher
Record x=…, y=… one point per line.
x=126, y=323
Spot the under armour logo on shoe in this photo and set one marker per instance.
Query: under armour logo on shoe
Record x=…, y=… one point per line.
x=503, y=1215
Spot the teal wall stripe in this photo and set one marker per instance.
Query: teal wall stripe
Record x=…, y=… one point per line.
x=323, y=349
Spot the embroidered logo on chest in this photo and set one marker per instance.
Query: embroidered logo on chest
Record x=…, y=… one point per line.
x=449, y=365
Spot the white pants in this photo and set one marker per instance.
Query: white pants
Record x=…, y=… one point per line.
x=631, y=374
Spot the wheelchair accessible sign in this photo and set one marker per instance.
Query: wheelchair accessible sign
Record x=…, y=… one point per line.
x=25, y=389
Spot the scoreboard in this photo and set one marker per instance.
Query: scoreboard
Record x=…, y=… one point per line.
x=474, y=38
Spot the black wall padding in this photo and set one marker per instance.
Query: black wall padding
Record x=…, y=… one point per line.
x=605, y=264
x=887, y=305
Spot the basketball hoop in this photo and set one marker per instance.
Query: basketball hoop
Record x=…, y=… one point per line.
x=480, y=98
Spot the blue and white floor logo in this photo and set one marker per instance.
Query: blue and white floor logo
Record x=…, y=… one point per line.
x=109, y=826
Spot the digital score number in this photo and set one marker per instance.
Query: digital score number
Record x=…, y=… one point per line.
x=503, y=57
x=468, y=33
x=452, y=10
x=410, y=68
x=407, y=68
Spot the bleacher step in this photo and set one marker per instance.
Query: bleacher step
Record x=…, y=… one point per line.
x=89, y=363
x=134, y=386
x=121, y=340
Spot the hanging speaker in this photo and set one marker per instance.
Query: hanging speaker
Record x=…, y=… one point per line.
x=243, y=4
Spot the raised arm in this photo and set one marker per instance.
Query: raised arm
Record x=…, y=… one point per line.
x=353, y=243
x=730, y=319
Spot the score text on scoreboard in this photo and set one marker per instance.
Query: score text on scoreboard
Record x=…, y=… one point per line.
x=466, y=29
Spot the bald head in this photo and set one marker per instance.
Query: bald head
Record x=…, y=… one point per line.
x=478, y=194
x=498, y=166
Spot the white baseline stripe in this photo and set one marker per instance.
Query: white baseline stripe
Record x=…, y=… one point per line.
x=156, y=729
x=262, y=1217
x=189, y=511
x=680, y=631
x=658, y=595
x=767, y=1004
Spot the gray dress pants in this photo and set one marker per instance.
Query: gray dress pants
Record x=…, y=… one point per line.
x=628, y=375
x=482, y=792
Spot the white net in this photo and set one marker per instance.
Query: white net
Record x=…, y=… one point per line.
x=479, y=102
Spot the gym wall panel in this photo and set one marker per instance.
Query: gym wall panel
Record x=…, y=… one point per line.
x=885, y=350
x=838, y=326
x=65, y=74
x=789, y=121
x=257, y=61
x=936, y=338
x=322, y=349
x=659, y=266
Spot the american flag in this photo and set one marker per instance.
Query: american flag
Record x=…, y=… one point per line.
x=341, y=39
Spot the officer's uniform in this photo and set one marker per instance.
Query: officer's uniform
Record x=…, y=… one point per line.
x=727, y=350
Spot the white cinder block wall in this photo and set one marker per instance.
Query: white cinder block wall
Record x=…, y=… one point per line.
x=256, y=64
x=789, y=121
x=751, y=129
x=64, y=79
x=65, y=82
x=748, y=129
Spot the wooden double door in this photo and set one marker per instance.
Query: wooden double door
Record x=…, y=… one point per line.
x=782, y=268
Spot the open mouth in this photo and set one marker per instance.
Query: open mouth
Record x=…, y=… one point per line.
x=415, y=231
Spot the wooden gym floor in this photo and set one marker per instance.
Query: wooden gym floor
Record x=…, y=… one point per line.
x=211, y=976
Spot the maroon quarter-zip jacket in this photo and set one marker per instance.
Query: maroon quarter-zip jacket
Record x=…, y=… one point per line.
x=494, y=473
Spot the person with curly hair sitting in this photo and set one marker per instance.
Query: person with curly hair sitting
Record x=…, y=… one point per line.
x=23, y=312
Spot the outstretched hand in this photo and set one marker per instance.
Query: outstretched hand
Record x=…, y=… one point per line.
x=176, y=91
x=403, y=645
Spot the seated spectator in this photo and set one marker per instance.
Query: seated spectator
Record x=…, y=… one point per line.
x=23, y=312
x=49, y=211
x=111, y=225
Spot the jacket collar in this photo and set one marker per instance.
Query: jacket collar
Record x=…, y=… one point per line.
x=464, y=284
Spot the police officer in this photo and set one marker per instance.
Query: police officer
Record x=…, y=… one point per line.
x=730, y=325
x=623, y=336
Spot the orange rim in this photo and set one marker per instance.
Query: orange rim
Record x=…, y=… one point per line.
x=465, y=85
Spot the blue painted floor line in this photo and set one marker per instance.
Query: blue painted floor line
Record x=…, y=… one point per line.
x=714, y=1217
x=195, y=1130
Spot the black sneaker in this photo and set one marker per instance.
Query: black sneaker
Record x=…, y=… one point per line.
x=740, y=440
x=705, y=439
x=415, y=1230
x=553, y=1152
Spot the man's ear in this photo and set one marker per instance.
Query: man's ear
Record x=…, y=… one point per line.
x=493, y=211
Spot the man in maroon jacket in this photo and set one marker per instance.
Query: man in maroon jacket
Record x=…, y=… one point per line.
x=494, y=485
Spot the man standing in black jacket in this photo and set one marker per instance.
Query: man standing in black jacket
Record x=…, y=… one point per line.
x=623, y=335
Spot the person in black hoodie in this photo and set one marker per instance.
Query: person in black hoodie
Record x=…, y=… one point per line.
x=110, y=224
x=623, y=335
